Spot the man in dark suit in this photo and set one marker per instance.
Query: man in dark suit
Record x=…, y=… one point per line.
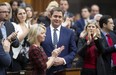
x=108, y=44
x=80, y=24
x=6, y=27
x=5, y=59
x=64, y=5
x=64, y=37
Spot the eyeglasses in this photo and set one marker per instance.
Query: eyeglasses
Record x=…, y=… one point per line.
x=4, y=11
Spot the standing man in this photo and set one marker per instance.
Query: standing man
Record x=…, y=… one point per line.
x=108, y=44
x=56, y=36
x=80, y=24
x=68, y=16
x=64, y=5
x=6, y=27
x=5, y=59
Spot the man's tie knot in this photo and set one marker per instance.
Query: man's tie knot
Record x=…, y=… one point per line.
x=55, y=29
x=108, y=35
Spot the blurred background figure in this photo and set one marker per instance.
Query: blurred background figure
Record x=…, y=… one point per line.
x=97, y=18
x=82, y=22
x=68, y=16
x=64, y=5
x=114, y=26
x=14, y=5
x=30, y=14
x=44, y=17
x=94, y=10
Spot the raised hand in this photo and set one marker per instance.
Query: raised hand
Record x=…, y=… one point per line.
x=12, y=36
x=97, y=34
x=57, y=51
x=6, y=45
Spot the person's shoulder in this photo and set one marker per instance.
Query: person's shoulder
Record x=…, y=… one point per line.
x=112, y=34
x=67, y=29
x=7, y=23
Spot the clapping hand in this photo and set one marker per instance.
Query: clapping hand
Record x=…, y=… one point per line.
x=12, y=36
x=97, y=34
x=6, y=45
x=57, y=51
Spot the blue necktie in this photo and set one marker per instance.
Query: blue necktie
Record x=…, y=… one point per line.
x=55, y=39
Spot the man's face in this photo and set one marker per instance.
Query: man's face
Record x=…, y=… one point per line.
x=85, y=13
x=4, y=12
x=56, y=18
x=64, y=5
x=94, y=10
x=110, y=25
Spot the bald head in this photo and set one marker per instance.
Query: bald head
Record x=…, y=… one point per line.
x=94, y=10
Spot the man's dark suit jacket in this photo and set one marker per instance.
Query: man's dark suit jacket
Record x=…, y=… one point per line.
x=82, y=51
x=9, y=29
x=106, y=51
x=66, y=39
x=5, y=60
x=79, y=26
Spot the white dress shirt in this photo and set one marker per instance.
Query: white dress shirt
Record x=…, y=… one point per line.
x=58, y=36
x=57, y=32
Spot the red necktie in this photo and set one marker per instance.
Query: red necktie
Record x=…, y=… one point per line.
x=110, y=43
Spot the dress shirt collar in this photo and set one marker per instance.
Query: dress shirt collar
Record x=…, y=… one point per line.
x=1, y=24
x=104, y=33
x=58, y=28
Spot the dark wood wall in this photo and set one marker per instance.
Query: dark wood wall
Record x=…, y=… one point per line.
x=38, y=5
x=106, y=6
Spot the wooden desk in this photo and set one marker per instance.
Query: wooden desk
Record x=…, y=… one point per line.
x=71, y=71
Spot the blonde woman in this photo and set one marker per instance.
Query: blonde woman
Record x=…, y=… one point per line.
x=37, y=56
x=92, y=60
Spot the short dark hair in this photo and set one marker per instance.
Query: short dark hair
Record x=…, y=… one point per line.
x=86, y=7
x=12, y=1
x=56, y=9
x=104, y=20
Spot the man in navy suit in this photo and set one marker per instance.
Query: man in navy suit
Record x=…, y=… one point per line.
x=5, y=59
x=64, y=5
x=6, y=27
x=80, y=24
x=65, y=37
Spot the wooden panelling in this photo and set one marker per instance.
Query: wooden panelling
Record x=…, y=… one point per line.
x=38, y=5
x=4, y=1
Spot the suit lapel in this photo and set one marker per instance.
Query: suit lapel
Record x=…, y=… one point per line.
x=104, y=39
x=49, y=38
x=83, y=23
x=61, y=35
x=1, y=36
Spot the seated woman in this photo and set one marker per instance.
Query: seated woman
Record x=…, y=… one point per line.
x=37, y=56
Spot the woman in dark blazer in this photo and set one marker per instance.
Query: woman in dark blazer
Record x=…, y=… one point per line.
x=92, y=60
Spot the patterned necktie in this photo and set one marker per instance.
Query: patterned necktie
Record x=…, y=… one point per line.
x=110, y=43
x=55, y=38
